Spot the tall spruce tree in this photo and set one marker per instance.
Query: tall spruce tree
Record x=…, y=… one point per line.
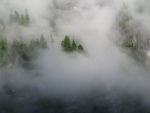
x=74, y=46
x=67, y=44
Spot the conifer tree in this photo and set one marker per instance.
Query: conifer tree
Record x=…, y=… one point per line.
x=17, y=16
x=12, y=17
x=22, y=20
x=27, y=18
x=70, y=47
x=3, y=47
x=80, y=48
x=67, y=44
x=32, y=44
x=42, y=42
x=21, y=49
x=74, y=46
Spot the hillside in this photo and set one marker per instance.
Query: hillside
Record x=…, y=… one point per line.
x=74, y=56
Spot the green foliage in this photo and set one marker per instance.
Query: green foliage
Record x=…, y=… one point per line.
x=129, y=44
x=16, y=16
x=22, y=19
x=123, y=18
x=66, y=44
x=27, y=17
x=69, y=46
x=80, y=48
x=21, y=49
x=3, y=47
x=135, y=52
x=34, y=44
x=19, y=52
x=42, y=42
x=3, y=51
x=129, y=36
x=74, y=46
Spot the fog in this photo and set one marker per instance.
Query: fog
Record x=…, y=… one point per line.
x=104, y=67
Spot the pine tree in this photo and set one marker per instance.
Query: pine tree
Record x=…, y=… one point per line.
x=32, y=45
x=12, y=17
x=74, y=46
x=22, y=20
x=27, y=18
x=21, y=49
x=67, y=44
x=80, y=48
x=70, y=47
x=3, y=47
x=17, y=16
x=3, y=52
x=42, y=42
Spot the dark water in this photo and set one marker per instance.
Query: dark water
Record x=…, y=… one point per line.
x=28, y=100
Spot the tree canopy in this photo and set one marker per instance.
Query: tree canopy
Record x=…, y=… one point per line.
x=19, y=51
x=22, y=19
x=70, y=46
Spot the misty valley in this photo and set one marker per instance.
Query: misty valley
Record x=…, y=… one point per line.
x=74, y=56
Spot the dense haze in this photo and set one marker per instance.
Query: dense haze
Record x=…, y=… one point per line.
x=104, y=66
